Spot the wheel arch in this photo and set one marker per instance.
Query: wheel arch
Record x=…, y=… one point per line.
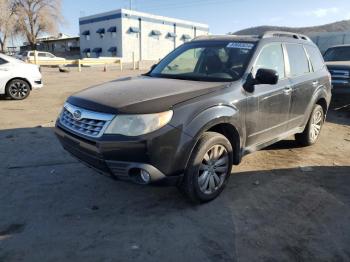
x=323, y=103
x=20, y=78
x=224, y=120
x=230, y=132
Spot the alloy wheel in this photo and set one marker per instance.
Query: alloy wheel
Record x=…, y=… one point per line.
x=316, y=124
x=213, y=169
x=18, y=89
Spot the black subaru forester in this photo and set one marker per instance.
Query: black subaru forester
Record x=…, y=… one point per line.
x=200, y=110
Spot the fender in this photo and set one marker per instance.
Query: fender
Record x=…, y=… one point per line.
x=207, y=119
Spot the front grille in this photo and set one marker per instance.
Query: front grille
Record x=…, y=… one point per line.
x=85, y=122
x=340, y=76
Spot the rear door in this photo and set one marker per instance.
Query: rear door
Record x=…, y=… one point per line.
x=303, y=82
x=269, y=105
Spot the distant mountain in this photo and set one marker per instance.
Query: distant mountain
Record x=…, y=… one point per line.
x=341, y=26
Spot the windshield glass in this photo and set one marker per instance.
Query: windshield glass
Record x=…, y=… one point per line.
x=10, y=59
x=338, y=54
x=223, y=61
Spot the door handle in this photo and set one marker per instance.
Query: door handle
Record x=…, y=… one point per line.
x=315, y=83
x=287, y=90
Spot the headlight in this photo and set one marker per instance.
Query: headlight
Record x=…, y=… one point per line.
x=136, y=125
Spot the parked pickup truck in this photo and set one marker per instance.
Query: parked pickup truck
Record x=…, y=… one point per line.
x=338, y=62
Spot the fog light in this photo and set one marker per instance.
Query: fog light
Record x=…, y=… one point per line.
x=145, y=176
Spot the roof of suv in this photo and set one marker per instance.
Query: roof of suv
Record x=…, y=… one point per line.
x=283, y=36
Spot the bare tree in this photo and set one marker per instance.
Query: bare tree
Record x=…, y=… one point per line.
x=7, y=22
x=35, y=17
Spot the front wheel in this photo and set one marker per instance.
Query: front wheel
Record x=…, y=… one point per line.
x=313, y=128
x=209, y=168
x=17, y=89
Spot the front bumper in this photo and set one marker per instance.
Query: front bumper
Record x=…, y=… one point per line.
x=37, y=84
x=123, y=158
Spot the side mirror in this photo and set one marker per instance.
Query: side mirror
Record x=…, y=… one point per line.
x=266, y=76
x=262, y=77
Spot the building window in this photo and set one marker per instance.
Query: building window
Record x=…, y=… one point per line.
x=113, y=50
x=113, y=31
x=155, y=34
x=134, y=30
x=97, y=51
x=101, y=32
x=87, y=52
x=171, y=35
x=186, y=38
x=86, y=34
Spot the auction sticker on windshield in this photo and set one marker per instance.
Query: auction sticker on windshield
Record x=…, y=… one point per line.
x=240, y=45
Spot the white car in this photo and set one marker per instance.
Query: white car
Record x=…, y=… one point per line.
x=28, y=56
x=18, y=78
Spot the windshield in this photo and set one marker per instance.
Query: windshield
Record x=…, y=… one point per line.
x=223, y=61
x=338, y=54
x=10, y=59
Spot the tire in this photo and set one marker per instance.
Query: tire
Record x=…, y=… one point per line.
x=313, y=128
x=209, y=168
x=17, y=89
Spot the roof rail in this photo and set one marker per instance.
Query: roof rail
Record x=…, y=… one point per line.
x=204, y=37
x=285, y=34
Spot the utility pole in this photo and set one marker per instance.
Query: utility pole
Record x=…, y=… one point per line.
x=130, y=4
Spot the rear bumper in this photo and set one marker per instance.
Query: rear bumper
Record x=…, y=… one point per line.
x=100, y=157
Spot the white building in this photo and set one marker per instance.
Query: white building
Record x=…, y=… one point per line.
x=126, y=33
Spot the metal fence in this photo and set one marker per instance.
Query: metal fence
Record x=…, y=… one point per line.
x=329, y=39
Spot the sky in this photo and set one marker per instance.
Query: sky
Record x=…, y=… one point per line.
x=223, y=16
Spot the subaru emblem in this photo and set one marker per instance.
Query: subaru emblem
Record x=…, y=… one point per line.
x=77, y=115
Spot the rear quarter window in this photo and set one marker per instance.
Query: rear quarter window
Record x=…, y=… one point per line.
x=298, y=61
x=315, y=57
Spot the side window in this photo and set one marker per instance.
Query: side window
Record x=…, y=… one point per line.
x=2, y=61
x=31, y=53
x=41, y=55
x=271, y=57
x=299, y=64
x=315, y=57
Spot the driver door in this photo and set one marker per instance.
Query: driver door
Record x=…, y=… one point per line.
x=269, y=105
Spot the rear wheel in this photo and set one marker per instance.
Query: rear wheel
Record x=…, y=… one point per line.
x=17, y=89
x=209, y=168
x=313, y=128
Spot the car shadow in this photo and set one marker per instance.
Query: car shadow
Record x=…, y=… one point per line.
x=3, y=97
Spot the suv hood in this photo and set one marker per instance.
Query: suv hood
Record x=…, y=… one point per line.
x=141, y=95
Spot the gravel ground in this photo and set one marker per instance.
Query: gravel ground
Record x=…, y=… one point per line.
x=284, y=203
